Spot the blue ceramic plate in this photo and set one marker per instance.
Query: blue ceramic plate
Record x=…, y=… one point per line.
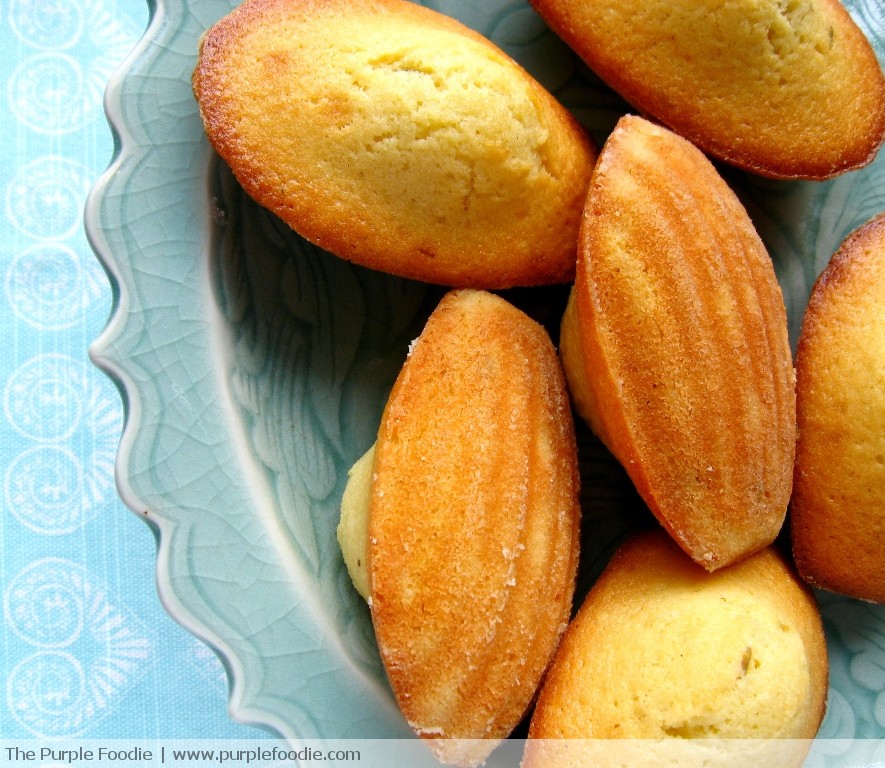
x=254, y=368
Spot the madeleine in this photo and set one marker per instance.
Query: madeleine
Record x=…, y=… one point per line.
x=838, y=508
x=783, y=88
x=473, y=517
x=397, y=138
x=667, y=664
x=675, y=345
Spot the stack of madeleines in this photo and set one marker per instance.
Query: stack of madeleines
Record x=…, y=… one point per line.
x=395, y=137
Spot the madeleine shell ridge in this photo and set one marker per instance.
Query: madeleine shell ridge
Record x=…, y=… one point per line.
x=473, y=527
x=679, y=327
x=395, y=137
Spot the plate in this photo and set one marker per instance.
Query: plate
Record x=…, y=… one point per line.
x=254, y=367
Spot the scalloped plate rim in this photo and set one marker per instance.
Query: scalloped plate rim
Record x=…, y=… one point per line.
x=101, y=352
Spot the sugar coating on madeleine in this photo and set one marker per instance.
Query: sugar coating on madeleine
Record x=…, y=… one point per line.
x=783, y=88
x=395, y=137
x=473, y=523
x=675, y=345
x=838, y=507
x=662, y=650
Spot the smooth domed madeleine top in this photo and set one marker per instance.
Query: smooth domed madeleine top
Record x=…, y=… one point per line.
x=675, y=345
x=784, y=88
x=397, y=138
x=473, y=523
x=838, y=506
x=664, y=651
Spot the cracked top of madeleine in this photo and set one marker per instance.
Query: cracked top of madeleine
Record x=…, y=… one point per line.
x=783, y=88
x=663, y=650
x=675, y=345
x=397, y=138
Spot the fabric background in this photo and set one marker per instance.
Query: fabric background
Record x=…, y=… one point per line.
x=86, y=648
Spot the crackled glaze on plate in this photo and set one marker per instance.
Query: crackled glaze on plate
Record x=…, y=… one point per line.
x=254, y=368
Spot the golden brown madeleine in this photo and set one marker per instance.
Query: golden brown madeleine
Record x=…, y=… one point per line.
x=784, y=88
x=838, y=507
x=397, y=138
x=473, y=524
x=663, y=650
x=675, y=345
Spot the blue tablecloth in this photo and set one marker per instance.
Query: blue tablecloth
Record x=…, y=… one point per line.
x=85, y=646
